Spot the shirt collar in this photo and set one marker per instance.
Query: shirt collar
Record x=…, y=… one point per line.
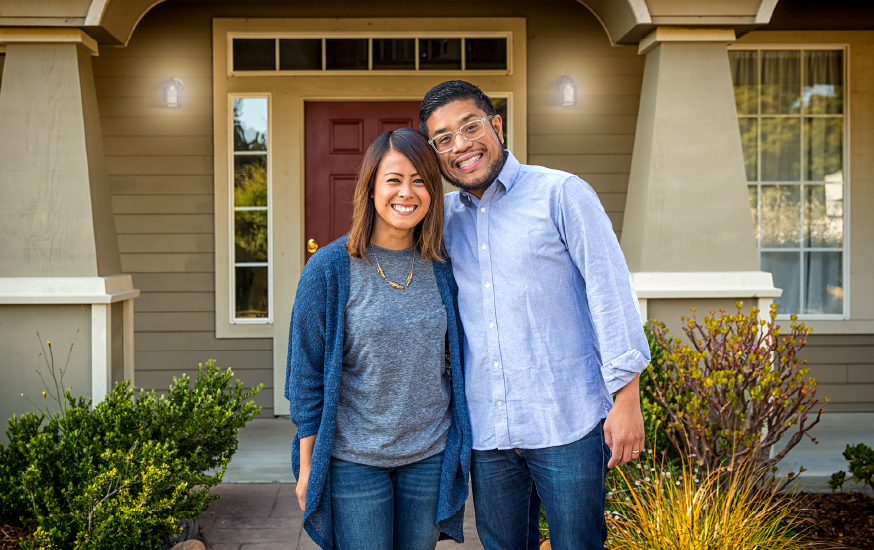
x=506, y=177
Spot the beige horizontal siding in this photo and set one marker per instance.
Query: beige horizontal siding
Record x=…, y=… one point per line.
x=160, y=168
x=160, y=185
x=844, y=367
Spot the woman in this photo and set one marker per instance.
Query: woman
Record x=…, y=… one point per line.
x=382, y=451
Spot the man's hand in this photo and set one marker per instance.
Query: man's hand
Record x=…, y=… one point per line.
x=623, y=429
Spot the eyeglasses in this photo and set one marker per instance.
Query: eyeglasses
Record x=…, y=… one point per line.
x=473, y=130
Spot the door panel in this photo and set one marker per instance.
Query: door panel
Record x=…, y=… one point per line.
x=337, y=135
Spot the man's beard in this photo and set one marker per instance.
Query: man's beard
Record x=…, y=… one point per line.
x=482, y=183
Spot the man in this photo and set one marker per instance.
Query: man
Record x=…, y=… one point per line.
x=552, y=329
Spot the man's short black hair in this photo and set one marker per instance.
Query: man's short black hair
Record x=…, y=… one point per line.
x=447, y=92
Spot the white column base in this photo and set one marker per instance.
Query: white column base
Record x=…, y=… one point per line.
x=100, y=293
x=705, y=284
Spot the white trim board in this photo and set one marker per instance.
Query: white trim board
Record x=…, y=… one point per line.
x=705, y=284
x=66, y=290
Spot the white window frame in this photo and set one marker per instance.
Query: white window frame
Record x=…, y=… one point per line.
x=232, y=209
x=845, y=249
x=371, y=36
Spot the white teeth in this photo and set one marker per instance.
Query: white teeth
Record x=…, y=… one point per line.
x=403, y=209
x=469, y=161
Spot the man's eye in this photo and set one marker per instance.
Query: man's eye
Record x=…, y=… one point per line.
x=443, y=139
x=471, y=128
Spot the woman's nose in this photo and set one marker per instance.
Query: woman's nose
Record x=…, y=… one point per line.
x=406, y=190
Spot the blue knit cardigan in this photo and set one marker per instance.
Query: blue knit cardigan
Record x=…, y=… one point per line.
x=312, y=385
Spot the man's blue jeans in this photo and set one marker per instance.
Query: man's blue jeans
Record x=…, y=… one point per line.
x=385, y=508
x=570, y=481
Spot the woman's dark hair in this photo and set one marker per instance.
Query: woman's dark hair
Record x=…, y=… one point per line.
x=447, y=92
x=428, y=234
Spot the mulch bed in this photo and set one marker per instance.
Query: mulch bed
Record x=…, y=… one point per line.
x=9, y=535
x=846, y=518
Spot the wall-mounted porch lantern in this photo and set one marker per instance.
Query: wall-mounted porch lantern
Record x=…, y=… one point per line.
x=173, y=93
x=567, y=91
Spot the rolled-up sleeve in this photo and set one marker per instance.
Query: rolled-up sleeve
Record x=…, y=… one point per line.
x=304, y=375
x=612, y=300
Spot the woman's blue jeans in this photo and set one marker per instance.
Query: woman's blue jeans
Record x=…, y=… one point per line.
x=570, y=481
x=385, y=508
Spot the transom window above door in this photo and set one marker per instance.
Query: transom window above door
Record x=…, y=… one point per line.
x=363, y=54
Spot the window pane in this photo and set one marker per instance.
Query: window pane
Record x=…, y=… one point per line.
x=743, y=72
x=754, y=208
x=440, y=53
x=785, y=268
x=300, y=54
x=250, y=180
x=251, y=292
x=250, y=236
x=394, y=54
x=824, y=292
x=250, y=124
x=824, y=138
x=824, y=215
x=254, y=54
x=749, y=130
x=346, y=54
x=781, y=82
x=485, y=53
x=501, y=105
x=781, y=149
x=781, y=216
x=824, y=82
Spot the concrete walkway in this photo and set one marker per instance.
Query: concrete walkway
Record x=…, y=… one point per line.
x=258, y=509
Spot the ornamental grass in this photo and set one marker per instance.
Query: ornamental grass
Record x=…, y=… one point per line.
x=684, y=509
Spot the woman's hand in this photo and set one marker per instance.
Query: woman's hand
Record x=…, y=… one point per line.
x=301, y=489
x=306, y=459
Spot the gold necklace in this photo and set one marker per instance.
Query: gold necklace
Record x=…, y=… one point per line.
x=392, y=283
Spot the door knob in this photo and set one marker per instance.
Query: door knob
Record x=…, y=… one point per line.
x=312, y=246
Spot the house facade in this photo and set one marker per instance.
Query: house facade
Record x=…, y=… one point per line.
x=166, y=168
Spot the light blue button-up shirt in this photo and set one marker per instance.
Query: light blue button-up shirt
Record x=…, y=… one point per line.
x=551, y=320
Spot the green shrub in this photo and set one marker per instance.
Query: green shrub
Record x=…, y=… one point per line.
x=861, y=459
x=121, y=474
x=735, y=388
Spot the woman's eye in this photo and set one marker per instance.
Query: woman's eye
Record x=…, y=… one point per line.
x=419, y=181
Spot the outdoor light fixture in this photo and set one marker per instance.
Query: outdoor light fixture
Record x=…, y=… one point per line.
x=567, y=91
x=172, y=93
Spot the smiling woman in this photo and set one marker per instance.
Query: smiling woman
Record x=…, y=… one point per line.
x=385, y=417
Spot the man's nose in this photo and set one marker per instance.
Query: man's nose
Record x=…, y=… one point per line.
x=461, y=144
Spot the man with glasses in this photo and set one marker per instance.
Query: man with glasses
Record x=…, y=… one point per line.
x=552, y=329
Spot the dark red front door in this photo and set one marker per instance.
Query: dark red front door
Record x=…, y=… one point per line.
x=337, y=135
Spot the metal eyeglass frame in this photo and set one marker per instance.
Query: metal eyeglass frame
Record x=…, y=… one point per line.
x=483, y=120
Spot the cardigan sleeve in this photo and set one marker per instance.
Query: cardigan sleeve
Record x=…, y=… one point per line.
x=304, y=379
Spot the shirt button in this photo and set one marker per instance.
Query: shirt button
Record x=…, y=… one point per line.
x=491, y=325
x=483, y=209
x=488, y=285
x=500, y=403
x=484, y=247
x=497, y=364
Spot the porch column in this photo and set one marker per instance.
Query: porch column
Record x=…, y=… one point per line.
x=688, y=234
x=58, y=241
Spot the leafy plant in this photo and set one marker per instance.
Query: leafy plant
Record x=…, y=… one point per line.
x=663, y=509
x=861, y=459
x=736, y=388
x=655, y=414
x=122, y=473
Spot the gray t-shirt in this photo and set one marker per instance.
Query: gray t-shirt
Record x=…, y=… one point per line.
x=394, y=388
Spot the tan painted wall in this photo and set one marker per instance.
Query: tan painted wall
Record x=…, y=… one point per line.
x=21, y=348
